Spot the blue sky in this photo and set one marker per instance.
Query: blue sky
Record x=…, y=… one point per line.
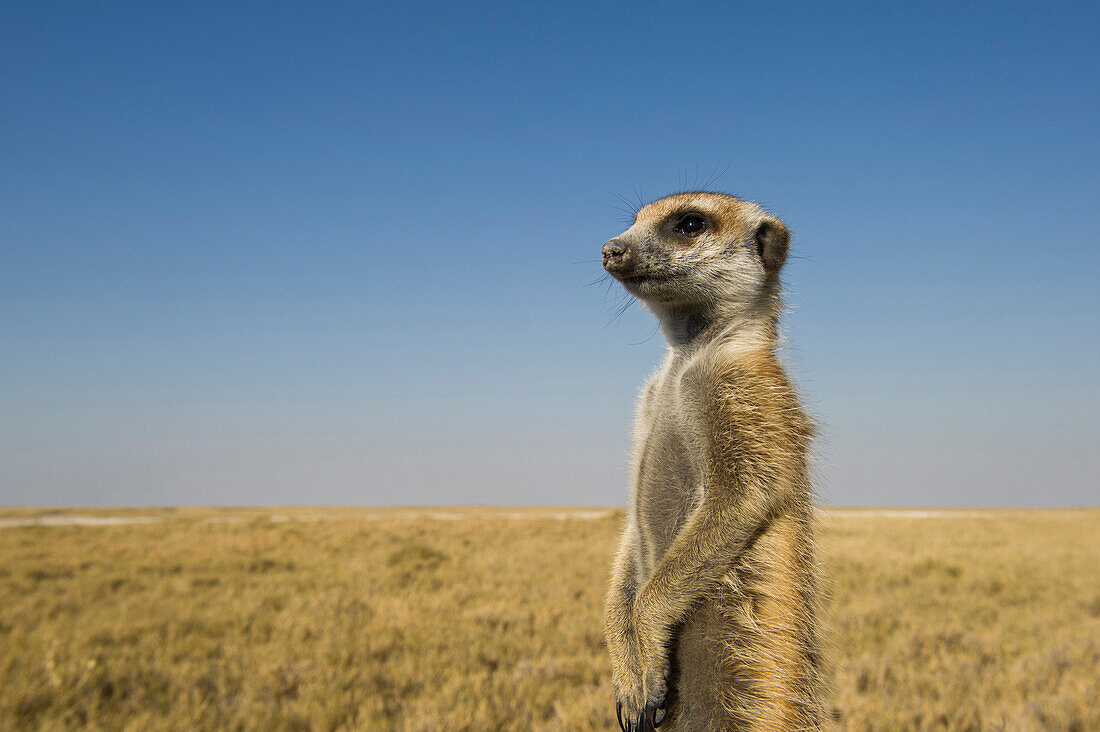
x=339, y=253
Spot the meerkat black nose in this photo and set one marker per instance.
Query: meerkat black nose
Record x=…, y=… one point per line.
x=616, y=256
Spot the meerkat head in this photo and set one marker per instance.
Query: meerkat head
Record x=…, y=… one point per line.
x=701, y=255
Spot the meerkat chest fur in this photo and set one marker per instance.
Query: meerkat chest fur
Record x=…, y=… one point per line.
x=668, y=459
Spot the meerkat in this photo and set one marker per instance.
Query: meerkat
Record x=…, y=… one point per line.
x=711, y=616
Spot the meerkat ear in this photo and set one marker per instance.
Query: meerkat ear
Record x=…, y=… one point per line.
x=772, y=239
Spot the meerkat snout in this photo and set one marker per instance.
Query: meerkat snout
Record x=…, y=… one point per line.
x=617, y=257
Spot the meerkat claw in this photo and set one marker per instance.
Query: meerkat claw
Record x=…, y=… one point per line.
x=619, y=715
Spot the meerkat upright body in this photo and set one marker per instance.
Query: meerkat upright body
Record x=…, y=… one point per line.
x=711, y=618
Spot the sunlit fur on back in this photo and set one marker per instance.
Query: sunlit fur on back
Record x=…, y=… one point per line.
x=711, y=614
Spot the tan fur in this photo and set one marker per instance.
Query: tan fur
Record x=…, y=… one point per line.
x=711, y=615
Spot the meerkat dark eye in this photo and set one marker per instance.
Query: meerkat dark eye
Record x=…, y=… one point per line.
x=690, y=224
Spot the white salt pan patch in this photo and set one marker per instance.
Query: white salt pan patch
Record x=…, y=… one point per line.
x=65, y=520
x=905, y=513
x=71, y=520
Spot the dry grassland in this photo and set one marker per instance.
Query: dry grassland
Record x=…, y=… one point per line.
x=490, y=619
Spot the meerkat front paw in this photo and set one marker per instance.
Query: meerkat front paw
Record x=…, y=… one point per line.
x=640, y=698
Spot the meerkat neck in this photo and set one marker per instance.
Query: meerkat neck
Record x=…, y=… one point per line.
x=683, y=326
x=686, y=327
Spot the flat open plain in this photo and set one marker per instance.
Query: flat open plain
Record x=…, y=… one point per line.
x=489, y=619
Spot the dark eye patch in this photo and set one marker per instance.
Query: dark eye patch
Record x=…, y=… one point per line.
x=690, y=224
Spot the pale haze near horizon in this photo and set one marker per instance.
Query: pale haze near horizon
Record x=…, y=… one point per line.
x=344, y=257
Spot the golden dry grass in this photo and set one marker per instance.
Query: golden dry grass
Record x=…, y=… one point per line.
x=485, y=619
